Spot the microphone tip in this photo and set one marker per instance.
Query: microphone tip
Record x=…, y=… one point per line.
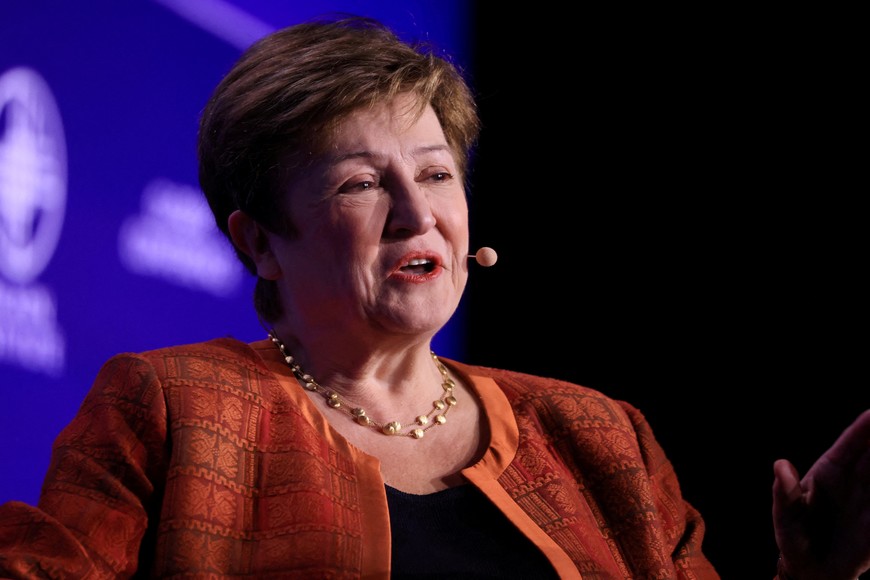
x=485, y=256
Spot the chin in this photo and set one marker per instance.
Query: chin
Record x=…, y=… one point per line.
x=420, y=320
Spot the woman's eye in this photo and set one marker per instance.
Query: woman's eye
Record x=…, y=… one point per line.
x=440, y=176
x=358, y=186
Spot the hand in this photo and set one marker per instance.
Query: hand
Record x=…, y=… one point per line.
x=822, y=522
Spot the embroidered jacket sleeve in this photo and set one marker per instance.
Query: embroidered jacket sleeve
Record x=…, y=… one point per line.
x=97, y=493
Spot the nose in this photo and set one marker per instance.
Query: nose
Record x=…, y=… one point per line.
x=410, y=210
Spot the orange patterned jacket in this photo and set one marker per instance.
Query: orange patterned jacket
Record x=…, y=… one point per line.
x=209, y=461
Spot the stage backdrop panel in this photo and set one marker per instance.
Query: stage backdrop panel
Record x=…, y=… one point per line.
x=106, y=244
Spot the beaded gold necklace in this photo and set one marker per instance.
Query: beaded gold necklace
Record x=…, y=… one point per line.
x=437, y=416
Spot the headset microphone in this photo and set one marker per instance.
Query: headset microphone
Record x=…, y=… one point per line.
x=485, y=256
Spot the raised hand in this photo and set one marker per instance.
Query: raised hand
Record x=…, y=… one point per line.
x=822, y=521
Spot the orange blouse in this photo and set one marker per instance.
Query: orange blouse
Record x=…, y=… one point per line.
x=208, y=460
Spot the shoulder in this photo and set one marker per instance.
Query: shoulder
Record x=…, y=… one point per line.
x=519, y=385
x=557, y=398
x=217, y=351
x=216, y=348
x=221, y=360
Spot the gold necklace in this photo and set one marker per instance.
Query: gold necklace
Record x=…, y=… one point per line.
x=437, y=416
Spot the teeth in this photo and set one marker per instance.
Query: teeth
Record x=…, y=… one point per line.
x=418, y=262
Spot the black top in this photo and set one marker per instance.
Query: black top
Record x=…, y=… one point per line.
x=459, y=533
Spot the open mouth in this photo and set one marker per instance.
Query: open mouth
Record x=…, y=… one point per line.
x=418, y=266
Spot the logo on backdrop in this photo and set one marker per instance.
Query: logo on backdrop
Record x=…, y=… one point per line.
x=33, y=188
x=174, y=237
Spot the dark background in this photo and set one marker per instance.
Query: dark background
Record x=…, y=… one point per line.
x=677, y=204
x=676, y=199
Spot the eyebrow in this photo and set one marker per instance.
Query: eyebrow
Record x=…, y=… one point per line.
x=366, y=154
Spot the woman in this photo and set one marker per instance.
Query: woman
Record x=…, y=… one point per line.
x=334, y=156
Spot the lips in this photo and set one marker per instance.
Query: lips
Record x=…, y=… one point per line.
x=417, y=267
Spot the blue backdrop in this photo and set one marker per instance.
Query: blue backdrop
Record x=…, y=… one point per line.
x=105, y=243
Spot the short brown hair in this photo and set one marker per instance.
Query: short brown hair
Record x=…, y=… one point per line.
x=278, y=104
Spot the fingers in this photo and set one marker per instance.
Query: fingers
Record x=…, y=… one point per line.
x=786, y=482
x=830, y=502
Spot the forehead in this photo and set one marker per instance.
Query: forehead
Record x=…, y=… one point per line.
x=403, y=118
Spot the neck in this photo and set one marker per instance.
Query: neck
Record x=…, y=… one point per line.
x=434, y=416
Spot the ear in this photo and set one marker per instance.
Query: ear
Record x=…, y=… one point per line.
x=253, y=240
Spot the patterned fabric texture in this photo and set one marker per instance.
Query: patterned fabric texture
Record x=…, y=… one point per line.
x=209, y=461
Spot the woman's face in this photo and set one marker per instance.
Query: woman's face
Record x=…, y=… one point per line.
x=382, y=225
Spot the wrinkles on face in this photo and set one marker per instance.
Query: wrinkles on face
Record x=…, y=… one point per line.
x=386, y=188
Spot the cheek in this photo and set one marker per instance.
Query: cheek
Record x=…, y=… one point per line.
x=358, y=218
x=456, y=224
x=454, y=212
